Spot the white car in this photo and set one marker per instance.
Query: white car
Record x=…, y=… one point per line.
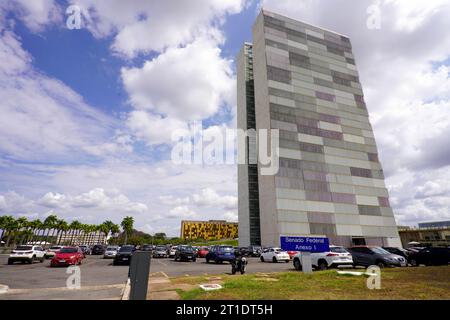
x=172, y=251
x=27, y=254
x=337, y=256
x=52, y=251
x=274, y=255
x=110, y=252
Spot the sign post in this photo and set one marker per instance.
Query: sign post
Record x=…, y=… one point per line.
x=305, y=245
x=139, y=273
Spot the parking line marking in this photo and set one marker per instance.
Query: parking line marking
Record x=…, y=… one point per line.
x=164, y=264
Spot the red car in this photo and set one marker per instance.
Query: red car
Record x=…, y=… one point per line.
x=292, y=254
x=67, y=256
x=202, y=252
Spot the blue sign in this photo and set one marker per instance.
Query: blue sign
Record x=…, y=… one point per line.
x=305, y=244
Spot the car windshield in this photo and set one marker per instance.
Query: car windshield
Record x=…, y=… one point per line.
x=338, y=250
x=69, y=250
x=190, y=249
x=226, y=249
x=379, y=250
x=161, y=248
x=126, y=249
x=24, y=248
x=55, y=247
x=111, y=248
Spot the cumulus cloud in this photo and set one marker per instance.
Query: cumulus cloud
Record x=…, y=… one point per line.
x=145, y=26
x=96, y=198
x=209, y=198
x=181, y=212
x=230, y=216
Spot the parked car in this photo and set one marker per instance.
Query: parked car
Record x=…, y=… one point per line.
x=398, y=251
x=202, y=252
x=110, y=252
x=27, y=254
x=185, y=253
x=98, y=249
x=51, y=252
x=160, y=252
x=124, y=255
x=274, y=255
x=335, y=257
x=432, y=256
x=68, y=256
x=372, y=255
x=254, y=251
x=85, y=249
x=147, y=247
x=172, y=251
x=220, y=253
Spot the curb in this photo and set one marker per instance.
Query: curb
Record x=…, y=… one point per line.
x=126, y=291
x=3, y=289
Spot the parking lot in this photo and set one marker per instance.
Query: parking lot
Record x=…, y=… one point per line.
x=100, y=279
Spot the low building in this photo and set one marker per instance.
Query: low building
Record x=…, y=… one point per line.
x=81, y=238
x=208, y=230
x=435, y=224
x=434, y=236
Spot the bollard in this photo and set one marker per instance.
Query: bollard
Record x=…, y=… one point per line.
x=306, y=262
x=139, y=272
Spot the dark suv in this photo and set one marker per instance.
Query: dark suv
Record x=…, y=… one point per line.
x=254, y=251
x=368, y=256
x=124, y=255
x=430, y=256
x=185, y=253
x=98, y=249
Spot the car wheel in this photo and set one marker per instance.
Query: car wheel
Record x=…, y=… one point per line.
x=261, y=258
x=274, y=260
x=297, y=265
x=10, y=262
x=323, y=265
x=193, y=260
x=207, y=260
x=42, y=260
x=381, y=264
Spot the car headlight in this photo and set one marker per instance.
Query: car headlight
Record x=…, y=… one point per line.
x=72, y=257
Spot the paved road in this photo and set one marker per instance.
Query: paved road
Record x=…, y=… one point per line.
x=175, y=268
x=99, y=280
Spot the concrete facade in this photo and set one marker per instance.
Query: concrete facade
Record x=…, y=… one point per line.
x=330, y=182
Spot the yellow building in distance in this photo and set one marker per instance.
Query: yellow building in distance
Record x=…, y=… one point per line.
x=208, y=230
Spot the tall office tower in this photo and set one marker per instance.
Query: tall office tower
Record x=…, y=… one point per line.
x=303, y=80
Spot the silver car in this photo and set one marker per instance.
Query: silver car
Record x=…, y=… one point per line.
x=110, y=252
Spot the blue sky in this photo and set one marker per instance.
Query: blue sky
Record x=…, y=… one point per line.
x=87, y=115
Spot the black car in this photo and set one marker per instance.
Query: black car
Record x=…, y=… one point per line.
x=432, y=256
x=98, y=249
x=368, y=256
x=124, y=255
x=185, y=253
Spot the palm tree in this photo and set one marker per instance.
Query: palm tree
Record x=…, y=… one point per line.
x=49, y=224
x=34, y=226
x=74, y=226
x=22, y=227
x=127, y=225
x=8, y=225
x=61, y=226
x=3, y=225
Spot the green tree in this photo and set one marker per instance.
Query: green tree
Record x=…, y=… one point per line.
x=49, y=224
x=127, y=226
x=74, y=227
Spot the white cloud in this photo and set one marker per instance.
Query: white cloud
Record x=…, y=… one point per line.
x=171, y=200
x=181, y=212
x=96, y=198
x=210, y=198
x=145, y=26
x=36, y=14
x=230, y=216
